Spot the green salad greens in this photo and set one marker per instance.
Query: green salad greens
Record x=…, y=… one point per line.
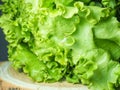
x=73, y=40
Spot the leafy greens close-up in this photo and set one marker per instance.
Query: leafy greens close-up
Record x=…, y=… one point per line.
x=73, y=40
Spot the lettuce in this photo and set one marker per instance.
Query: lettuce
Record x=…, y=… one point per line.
x=73, y=40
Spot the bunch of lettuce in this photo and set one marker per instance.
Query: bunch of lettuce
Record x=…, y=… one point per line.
x=73, y=40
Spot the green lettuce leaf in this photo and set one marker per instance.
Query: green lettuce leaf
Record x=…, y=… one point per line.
x=73, y=40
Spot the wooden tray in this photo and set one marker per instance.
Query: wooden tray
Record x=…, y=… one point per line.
x=10, y=79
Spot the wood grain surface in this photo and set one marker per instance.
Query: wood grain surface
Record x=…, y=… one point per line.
x=5, y=85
